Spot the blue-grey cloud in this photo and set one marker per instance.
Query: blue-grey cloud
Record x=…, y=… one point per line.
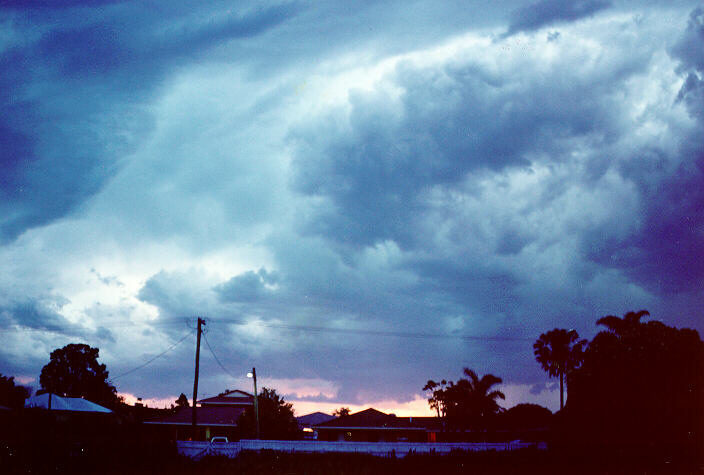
x=665, y=254
x=34, y=314
x=248, y=287
x=54, y=5
x=548, y=12
x=454, y=121
x=91, y=77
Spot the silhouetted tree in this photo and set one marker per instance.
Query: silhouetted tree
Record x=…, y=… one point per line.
x=527, y=416
x=472, y=402
x=623, y=326
x=437, y=399
x=276, y=419
x=182, y=401
x=467, y=404
x=640, y=383
x=74, y=371
x=12, y=395
x=343, y=411
x=559, y=352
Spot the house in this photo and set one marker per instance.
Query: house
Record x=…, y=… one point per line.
x=371, y=425
x=60, y=403
x=69, y=424
x=306, y=423
x=215, y=416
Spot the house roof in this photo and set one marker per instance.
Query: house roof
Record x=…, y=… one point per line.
x=234, y=397
x=59, y=403
x=314, y=418
x=369, y=419
x=215, y=415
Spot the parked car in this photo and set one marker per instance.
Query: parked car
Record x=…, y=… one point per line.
x=218, y=440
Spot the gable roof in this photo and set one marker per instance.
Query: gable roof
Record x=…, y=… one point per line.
x=234, y=396
x=369, y=419
x=314, y=418
x=59, y=403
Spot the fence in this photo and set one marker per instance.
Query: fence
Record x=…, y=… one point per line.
x=198, y=449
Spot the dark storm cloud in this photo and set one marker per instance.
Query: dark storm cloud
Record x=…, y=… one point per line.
x=90, y=78
x=176, y=294
x=248, y=287
x=548, y=12
x=34, y=314
x=451, y=121
x=667, y=252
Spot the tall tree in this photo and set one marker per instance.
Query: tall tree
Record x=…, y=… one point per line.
x=623, y=326
x=472, y=401
x=437, y=400
x=559, y=352
x=12, y=395
x=276, y=419
x=467, y=404
x=640, y=383
x=74, y=371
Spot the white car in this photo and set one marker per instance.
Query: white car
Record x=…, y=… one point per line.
x=218, y=440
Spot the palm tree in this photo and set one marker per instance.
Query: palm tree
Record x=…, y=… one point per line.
x=623, y=326
x=559, y=351
x=472, y=401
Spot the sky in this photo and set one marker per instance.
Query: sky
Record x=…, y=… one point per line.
x=357, y=197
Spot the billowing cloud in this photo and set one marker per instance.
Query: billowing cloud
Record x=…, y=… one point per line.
x=74, y=98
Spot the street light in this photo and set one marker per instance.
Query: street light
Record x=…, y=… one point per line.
x=253, y=375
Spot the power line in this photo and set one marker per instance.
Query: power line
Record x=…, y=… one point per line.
x=75, y=328
x=155, y=358
x=384, y=333
x=281, y=326
x=216, y=358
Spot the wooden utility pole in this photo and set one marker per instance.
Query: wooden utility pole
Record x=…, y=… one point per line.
x=256, y=405
x=201, y=322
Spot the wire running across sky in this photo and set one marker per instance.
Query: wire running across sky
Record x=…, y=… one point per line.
x=190, y=332
x=217, y=360
x=381, y=333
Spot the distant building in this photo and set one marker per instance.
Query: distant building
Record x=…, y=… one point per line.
x=215, y=416
x=526, y=422
x=371, y=425
x=306, y=423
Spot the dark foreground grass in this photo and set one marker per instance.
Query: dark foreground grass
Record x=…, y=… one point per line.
x=161, y=460
x=519, y=462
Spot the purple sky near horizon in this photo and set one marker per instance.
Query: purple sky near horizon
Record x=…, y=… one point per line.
x=356, y=198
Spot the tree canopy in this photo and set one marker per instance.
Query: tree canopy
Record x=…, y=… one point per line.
x=559, y=352
x=640, y=383
x=182, y=401
x=276, y=419
x=343, y=411
x=74, y=371
x=469, y=403
x=11, y=394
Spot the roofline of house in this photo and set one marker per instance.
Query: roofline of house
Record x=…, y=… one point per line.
x=208, y=403
x=367, y=428
x=199, y=424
